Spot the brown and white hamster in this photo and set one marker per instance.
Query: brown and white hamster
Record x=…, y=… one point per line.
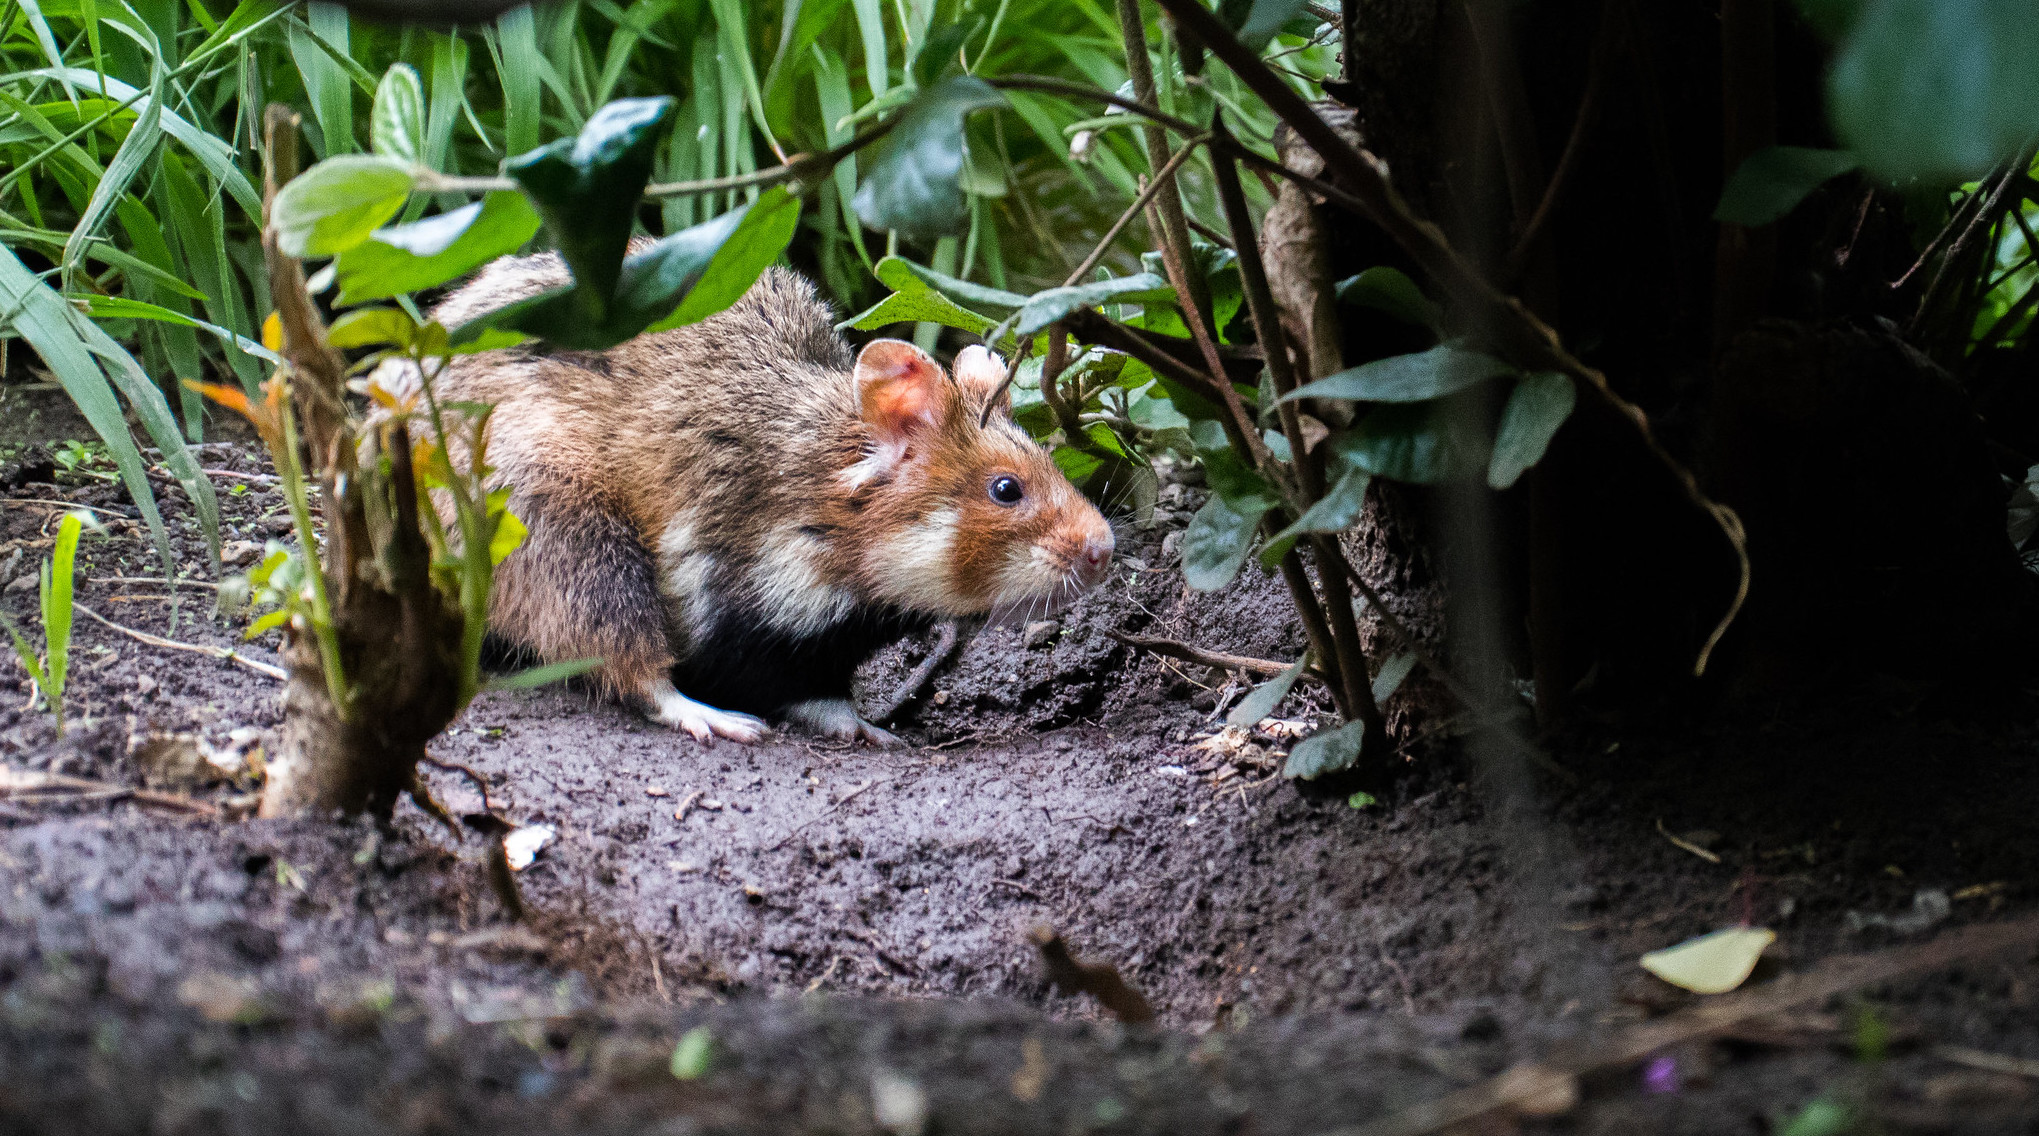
x=735, y=514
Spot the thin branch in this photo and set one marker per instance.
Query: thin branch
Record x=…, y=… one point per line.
x=1176, y=649
x=1155, y=185
x=1097, y=94
x=226, y=653
x=1568, y=161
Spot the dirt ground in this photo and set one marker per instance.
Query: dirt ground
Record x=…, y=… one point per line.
x=849, y=926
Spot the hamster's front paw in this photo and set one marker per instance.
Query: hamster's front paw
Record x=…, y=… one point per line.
x=671, y=708
x=836, y=719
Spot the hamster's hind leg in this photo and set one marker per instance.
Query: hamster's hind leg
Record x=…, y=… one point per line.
x=583, y=585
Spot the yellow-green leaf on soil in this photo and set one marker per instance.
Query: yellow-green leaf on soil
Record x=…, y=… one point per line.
x=1711, y=964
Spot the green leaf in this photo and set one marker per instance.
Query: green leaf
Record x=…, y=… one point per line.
x=509, y=537
x=1711, y=964
x=1390, y=290
x=428, y=253
x=30, y=662
x=373, y=327
x=1361, y=801
x=916, y=299
x=1421, y=443
x=1536, y=408
x=912, y=184
x=267, y=621
x=1772, y=181
x=1830, y=18
x=1442, y=370
x=1262, y=699
x=1328, y=751
x=542, y=676
x=1335, y=511
x=587, y=188
x=316, y=47
x=763, y=233
x=694, y=1054
x=1217, y=541
x=134, y=153
x=396, y=126
x=336, y=204
x=1393, y=673
x=901, y=275
x=1940, y=90
x=803, y=22
x=1045, y=307
x=1265, y=19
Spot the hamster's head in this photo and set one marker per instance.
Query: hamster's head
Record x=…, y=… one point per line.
x=959, y=511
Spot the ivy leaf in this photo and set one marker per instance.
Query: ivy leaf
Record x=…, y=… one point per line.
x=1327, y=751
x=1390, y=290
x=1539, y=404
x=765, y=231
x=1262, y=699
x=428, y=253
x=916, y=301
x=1045, y=307
x=336, y=204
x=1772, y=181
x=1442, y=370
x=1421, y=443
x=1265, y=19
x=1220, y=268
x=912, y=185
x=587, y=188
x=1940, y=90
x=1217, y=541
x=1335, y=511
x=396, y=125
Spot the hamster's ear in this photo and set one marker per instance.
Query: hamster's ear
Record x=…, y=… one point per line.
x=981, y=375
x=901, y=389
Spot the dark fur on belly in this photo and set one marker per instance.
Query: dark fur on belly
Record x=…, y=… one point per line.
x=740, y=665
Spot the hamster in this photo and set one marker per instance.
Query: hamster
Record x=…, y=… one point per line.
x=735, y=514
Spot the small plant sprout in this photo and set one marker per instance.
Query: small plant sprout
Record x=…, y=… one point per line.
x=48, y=669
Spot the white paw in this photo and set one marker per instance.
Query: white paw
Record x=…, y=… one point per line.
x=705, y=722
x=835, y=718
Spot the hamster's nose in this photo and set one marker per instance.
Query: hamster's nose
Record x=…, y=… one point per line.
x=1096, y=555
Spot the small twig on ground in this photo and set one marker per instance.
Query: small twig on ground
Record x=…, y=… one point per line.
x=1550, y=1087
x=1687, y=845
x=65, y=505
x=949, y=641
x=1401, y=976
x=226, y=653
x=1019, y=887
x=686, y=804
x=1993, y=1062
x=846, y=799
x=481, y=784
x=28, y=788
x=1099, y=980
x=1176, y=649
x=149, y=580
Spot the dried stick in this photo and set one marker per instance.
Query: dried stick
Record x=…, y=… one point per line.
x=1176, y=649
x=949, y=640
x=1529, y=1087
x=227, y=653
x=852, y=795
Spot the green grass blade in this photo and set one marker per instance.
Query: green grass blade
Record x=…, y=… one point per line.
x=449, y=72
x=56, y=605
x=733, y=30
x=201, y=232
x=871, y=26
x=58, y=333
x=832, y=91
x=41, y=27
x=127, y=164
x=523, y=93
x=325, y=81
x=215, y=155
x=26, y=653
x=149, y=406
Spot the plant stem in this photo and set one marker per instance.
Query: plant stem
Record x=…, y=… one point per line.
x=300, y=515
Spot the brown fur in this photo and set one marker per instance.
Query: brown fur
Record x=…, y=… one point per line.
x=729, y=466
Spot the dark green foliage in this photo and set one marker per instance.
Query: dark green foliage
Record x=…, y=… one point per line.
x=913, y=184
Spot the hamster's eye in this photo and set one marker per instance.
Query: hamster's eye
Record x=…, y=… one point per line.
x=1006, y=489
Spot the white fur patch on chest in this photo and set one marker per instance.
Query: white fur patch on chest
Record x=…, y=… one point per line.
x=790, y=588
x=683, y=573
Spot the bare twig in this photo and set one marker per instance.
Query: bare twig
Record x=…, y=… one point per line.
x=1582, y=124
x=1687, y=845
x=1536, y=1083
x=846, y=798
x=227, y=653
x=28, y=788
x=1993, y=1062
x=1160, y=181
x=1099, y=980
x=949, y=640
x=481, y=784
x=1175, y=649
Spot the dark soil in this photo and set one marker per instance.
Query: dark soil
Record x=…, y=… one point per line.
x=850, y=925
